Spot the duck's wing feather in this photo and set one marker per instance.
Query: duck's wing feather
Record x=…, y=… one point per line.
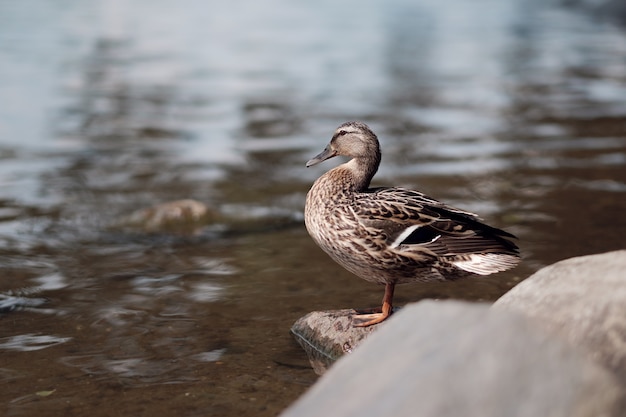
x=414, y=222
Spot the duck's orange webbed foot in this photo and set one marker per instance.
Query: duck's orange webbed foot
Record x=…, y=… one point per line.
x=371, y=318
x=365, y=320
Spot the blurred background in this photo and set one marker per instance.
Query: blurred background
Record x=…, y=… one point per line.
x=513, y=109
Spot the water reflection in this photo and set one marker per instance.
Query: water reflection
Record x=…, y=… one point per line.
x=30, y=342
x=9, y=303
x=517, y=114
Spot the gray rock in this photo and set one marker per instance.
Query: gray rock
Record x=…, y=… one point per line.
x=581, y=299
x=458, y=359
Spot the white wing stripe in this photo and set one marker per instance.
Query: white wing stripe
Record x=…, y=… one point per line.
x=406, y=233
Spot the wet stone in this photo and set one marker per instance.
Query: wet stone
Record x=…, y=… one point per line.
x=325, y=336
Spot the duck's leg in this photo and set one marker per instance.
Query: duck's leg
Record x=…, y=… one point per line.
x=386, y=309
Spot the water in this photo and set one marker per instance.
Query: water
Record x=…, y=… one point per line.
x=108, y=107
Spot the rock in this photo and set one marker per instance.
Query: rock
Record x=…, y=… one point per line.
x=179, y=214
x=581, y=299
x=326, y=335
x=453, y=358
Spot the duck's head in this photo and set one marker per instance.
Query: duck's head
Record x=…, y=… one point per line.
x=351, y=139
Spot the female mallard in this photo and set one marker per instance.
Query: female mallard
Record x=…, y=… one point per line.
x=394, y=235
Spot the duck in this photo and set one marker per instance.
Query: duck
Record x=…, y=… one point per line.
x=394, y=235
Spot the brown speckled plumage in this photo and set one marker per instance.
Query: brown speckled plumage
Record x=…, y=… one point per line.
x=395, y=235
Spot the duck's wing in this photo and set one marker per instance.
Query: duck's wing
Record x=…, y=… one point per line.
x=414, y=223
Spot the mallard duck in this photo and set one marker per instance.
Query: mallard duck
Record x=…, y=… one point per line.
x=393, y=235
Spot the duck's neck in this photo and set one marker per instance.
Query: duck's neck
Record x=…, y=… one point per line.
x=362, y=170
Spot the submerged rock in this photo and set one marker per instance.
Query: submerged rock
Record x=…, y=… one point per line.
x=180, y=214
x=581, y=299
x=191, y=217
x=454, y=358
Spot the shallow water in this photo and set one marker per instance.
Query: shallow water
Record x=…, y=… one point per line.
x=517, y=114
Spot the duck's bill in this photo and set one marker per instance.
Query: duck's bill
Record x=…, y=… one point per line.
x=324, y=155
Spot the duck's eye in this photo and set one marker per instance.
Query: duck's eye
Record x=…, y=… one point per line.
x=342, y=132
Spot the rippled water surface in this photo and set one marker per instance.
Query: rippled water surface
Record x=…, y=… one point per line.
x=513, y=109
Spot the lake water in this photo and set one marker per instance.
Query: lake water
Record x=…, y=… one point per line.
x=512, y=109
